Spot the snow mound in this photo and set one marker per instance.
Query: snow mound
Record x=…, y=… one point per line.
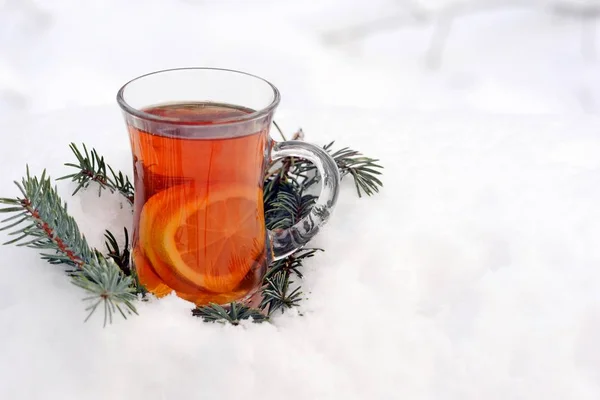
x=472, y=275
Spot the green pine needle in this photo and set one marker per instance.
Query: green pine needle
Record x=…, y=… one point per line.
x=92, y=168
x=49, y=226
x=364, y=170
x=288, y=206
x=292, y=263
x=107, y=286
x=118, y=255
x=277, y=294
x=233, y=313
x=43, y=223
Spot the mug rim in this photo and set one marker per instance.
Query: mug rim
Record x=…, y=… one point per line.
x=218, y=121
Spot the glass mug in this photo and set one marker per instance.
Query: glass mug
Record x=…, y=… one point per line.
x=200, y=143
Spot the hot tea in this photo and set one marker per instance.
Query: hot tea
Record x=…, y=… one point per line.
x=199, y=223
x=199, y=162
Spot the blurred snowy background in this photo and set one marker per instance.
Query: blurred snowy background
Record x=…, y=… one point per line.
x=522, y=56
x=477, y=277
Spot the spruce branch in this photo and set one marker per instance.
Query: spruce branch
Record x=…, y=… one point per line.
x=272, y=186
x=41, y=221
x=122, y=184
x=279, y=172
x=92, y=168
x=277, y=294
x=291, y=264
x=49, y=226
x=118, y=255
x=364, y=170
x=233, y=313
x=288, y=205
x=107, y=286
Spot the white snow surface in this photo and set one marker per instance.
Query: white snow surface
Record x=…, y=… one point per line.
x=472, y=275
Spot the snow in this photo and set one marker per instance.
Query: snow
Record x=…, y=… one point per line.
x=473, y=275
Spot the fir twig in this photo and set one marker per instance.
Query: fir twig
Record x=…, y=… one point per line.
x=364, y=170
x=120, y=257
x=92, y=168
x=233, y=313
x=292, y=263
x=288, y=205
x=122, y=184
x=107, y=286
x=41, y=221
x=49, y=226
x=277, y=294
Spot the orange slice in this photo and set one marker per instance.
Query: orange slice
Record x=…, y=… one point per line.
x=147, y=276
x=203, y=237
x=150, y=233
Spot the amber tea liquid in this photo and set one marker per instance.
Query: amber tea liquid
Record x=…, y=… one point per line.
x=198, y=207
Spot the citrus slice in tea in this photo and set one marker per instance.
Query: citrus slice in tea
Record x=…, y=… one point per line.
x=157, y=269
x=207, y=237
x=154, y=284
x=146, y=275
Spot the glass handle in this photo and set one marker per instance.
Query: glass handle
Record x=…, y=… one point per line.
x=286, y=241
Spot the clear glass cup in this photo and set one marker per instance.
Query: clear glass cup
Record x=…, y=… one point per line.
x=200, y=144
